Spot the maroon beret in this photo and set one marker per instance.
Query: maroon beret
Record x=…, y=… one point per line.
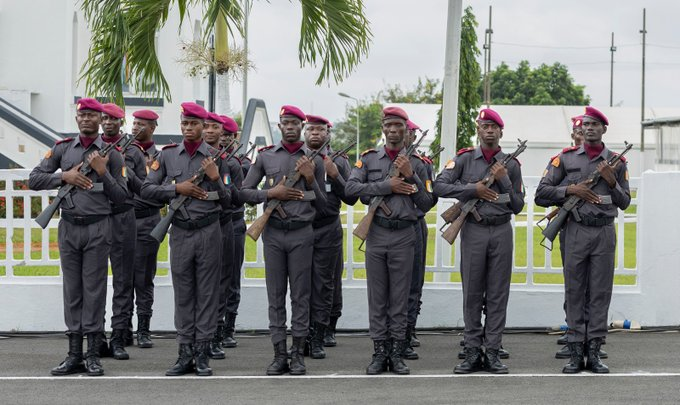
x=145, y=115
x=576, y=121
x=190, y=109
x=113, y=110
x=215, y=117
x=593, y=112
x=395, y=112
x=89, y=104
x=412, y=126
x=317, y=119
x=488, y=114
x=229, y=124
x=292, y=110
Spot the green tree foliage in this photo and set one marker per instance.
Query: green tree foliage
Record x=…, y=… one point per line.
x=544, y=85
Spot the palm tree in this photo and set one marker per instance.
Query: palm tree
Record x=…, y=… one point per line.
x=334, y=33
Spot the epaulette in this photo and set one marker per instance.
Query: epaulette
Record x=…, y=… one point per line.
x=264, y=148
x=170, y=145
x=139, y=146
x=69, y=139
x=465, y=150
x=570, y=149
x=367, y=151
x=623, y=158
x=421, y=157
x=553, y=158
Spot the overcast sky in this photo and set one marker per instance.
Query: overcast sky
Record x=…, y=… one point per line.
x=409, y=40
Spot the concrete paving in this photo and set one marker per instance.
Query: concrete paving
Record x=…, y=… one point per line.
x=645, y=367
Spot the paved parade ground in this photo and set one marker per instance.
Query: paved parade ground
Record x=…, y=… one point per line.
x=645, y=368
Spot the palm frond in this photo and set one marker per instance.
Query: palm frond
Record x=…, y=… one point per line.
x=230, y=10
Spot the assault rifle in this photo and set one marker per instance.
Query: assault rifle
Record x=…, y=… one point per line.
x=339, y=153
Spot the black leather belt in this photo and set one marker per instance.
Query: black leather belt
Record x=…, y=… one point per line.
x=595, y=221
x=146, y=212
x=286, y=225
x=491, y=220
x=119, y=209
x=318, y=223
x=84, y=220
x=196, y=224
x=225, y=217
x=237, y=216
x=393, y=223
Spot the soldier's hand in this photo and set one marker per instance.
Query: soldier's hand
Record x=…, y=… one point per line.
x=283, y=193
x=498, y=171
x=584, y=192
x=98, y=163
x=306, y=168
x=399, y=186
x=607, y=173
x=189, y=189
x=485, y=193
x=403, y=164
x=210, y=169
x=74, y=177
x=331, y=168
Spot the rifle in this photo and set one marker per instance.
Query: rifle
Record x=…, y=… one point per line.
x=248, y=152
x=128, y=141
x=256, y=228
x=65, y=191
x=436, y=153
x=339, y=153
x=378, y=201
x=176, y=204
x=557, y=217
x=457, y=213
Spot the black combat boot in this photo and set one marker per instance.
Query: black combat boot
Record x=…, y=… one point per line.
x=143, y=335
x=216, y=351
x=379, y=361
x=201, y=350
x=409, y=353
x=594, y=363
x=280, y=363
x=92, y=359
x=474, y=361
x=316, y=343
x=396, y=363
x=329, y=336
x=576, y=363
x=228, y=340
x=128, y=335
x=562, y=340
x=414, y=342
x=185, y=361
x=104, y=348
x=563, y=353
x=297, y=360
x=74, y=361
x=118, y=345
x=492, y=362
x=503, y=354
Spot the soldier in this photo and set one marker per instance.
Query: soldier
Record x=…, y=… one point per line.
x=234, y=177
x=288, y=242
x=84, y=231
x=194, y=256
x=147, y=216
x=391, y=240
x=328, y=258
x=486, y=246
x=589, y=244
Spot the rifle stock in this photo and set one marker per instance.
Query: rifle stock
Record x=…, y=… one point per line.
x=362, y=228
x=159, y=231
x=452, y=212
x=255, y=229
x=451, y=233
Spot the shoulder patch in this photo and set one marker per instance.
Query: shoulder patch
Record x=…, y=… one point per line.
x=359, y=164
x=450, y=164
x=367, y=151
x=69, y=139
x=264, y=148
x=170, y=145
x=570, y=149
x=48, y=154
x=552, y=158
x=465, y=150
x=155, y=165
x=556, y=162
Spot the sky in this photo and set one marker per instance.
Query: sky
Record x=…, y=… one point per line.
x=409, y=40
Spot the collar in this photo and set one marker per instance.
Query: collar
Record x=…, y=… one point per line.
x=98, y=142
x=497, y=157
x=303, y=148
x=202, y=148
x=582, y=149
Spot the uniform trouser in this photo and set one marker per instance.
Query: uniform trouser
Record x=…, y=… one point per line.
x=234, y=294
x=589, y=265
x=226, y=270
x=146, y=259
x=195, y=266
x=418, y=276
x=564, y=273
x=123, y=241
x=327, y=255
x=288, y=258
x=84, y=253
x=389, y=265
x=486, y=268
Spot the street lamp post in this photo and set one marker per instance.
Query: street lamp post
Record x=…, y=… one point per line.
x=357, y=101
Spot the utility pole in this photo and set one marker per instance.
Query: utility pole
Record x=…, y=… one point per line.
x=611, y=74
x=643, y=31
x=487, y=63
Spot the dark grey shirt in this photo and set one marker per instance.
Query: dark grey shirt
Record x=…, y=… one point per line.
x=109, y=188
x=335, y=189
x=574, y=165
x=369, y=178
x=459, y=177
x=232, y=177
x=272, y=164
x=140, y=168
x=175, y=166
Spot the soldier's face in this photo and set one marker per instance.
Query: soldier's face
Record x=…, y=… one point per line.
x=489, y=133
x=394, y=130
x=142, y=130
x=192, y=128
x=291, y=128
x=592, y=130
x=111, y=125
x=211, y=132
x=316, y=135
x=577, y=136
x=226, y=138
x=88, y=122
